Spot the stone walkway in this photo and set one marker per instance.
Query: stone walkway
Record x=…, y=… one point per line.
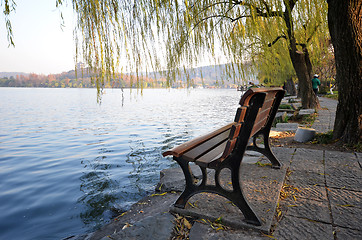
x=326, y=115
x=325, y=192
x=320, y=199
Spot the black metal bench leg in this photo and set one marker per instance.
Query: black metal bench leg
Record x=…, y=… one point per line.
x=191, y=187
x=266, y=151
x=237, y=197
x=269, y=154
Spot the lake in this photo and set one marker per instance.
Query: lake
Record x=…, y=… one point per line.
x=66, y=161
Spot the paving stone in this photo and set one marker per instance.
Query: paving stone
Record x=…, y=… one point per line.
x=284, y=155
x=253, y=154
x=280, y=115
x=308, y=209
x=321, y=127
x=309, y=166
x=287, y=127
x=347, y=234
x=290, y=97
x=303, y=112
x=312, y=192
x=349, y=217
x=296, y=228
x=340, y=159
x=201, y=231
x=345, y=197
x=296, y=105
x=308, y=155
x=359, y=157
x=154, y=227
x=250, y=160
x=304, y=177
x=148, y=207
x=343, y=172
x=354, y=184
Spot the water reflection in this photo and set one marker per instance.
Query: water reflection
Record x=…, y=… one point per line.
x=112, y=183
x=97, y=188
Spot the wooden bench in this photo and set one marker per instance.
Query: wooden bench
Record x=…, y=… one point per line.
x=225, y=148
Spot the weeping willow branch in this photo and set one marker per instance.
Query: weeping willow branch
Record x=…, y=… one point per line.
x=313, y=33
x=276, y=40
x=9, y=7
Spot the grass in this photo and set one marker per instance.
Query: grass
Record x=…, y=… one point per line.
x=355, y=147
x=327, y=138
x=285, y=106
x=334, y=96
x=280, y=120
x=324, y=138
x=308, y=120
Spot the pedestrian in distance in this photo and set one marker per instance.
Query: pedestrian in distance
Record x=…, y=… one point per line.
x=315, y=83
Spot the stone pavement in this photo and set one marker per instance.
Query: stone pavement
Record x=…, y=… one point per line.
x=326, y=115
x=320, y=198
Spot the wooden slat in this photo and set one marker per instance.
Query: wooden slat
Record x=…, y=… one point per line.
x=271, y=95
x=240, y=114
x=206, y=146
x=268, y=103
x=244, y=101
x=229, y=148
x=211, y=156
x=235, y=130
x=181, y=149
x=262, y=115
x=258, y=126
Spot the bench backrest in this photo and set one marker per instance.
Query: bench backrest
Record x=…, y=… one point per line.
x=256, y=113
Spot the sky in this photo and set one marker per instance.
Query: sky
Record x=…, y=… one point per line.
x=42, y=46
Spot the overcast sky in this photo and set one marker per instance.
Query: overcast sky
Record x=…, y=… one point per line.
x=41, y=46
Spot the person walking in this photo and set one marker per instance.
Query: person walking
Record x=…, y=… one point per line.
x=315, y=83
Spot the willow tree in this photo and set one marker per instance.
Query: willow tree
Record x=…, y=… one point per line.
x=275, y=68
x=195, y=30
x=235, y=29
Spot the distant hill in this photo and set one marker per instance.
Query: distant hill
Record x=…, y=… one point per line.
x=211, y=74
x=207, y=76
x=12, y=74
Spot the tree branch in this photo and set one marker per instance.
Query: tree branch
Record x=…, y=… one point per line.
x=261, y=12
x=214, y=16
x=276, y=40
x=314, y=31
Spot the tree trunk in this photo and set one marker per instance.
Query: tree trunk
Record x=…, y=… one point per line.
x=290, y=87
x=345, y=26
x=303, y=69
x=300, y=61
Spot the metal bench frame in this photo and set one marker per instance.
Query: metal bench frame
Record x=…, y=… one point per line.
x=253, y=119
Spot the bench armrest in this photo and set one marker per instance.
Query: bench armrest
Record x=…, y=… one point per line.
x=181, y=149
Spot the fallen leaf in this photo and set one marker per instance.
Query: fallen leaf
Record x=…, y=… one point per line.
x=187, y=224
x=345, y=205
x=126, y=226
x=158, y=194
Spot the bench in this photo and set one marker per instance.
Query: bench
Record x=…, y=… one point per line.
x=225, y=148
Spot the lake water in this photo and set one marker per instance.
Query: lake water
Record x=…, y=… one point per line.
x=66, y=161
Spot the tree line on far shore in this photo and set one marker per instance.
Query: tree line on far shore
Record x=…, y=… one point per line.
x=82, y=79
